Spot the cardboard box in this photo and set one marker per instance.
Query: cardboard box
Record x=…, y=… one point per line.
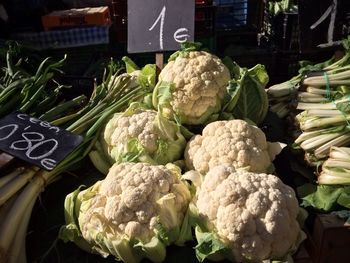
x=89, y=16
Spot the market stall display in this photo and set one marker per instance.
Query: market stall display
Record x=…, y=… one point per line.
x=137, y=150
x=183, y=153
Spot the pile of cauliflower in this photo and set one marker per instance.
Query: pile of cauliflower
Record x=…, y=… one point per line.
x=223, y=196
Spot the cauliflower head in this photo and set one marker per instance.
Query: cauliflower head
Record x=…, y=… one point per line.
x=233, y=142
x=191, y=87
x=143, y=135
x=135, y=212
x=252, y=215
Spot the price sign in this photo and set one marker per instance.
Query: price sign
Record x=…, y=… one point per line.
x=323, y=23
x=159, y=25
x=36, y=141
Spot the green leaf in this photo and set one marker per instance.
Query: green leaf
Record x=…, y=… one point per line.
x=121, y=248
x=233, y=67
x=71, y=231
x=147, y=77
x=234, y=91
x=185, y=230
x=344, y=106
x=324, y=197
x=167, y=236
x=246, y=96
x=133, y=150
x=162, y=95
x=185, y=48
x=172, y=142
x=130, y=65
x=154, y=250
x=346, y=43
x=344, y=198
x=308, y=66
x=209, y=246
x=190, y=46
x=249, y=103
x=99, y=161
x=259, y=74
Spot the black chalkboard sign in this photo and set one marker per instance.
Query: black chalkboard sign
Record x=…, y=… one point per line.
x=159, y=25
x=323, y=23
x=36, y=141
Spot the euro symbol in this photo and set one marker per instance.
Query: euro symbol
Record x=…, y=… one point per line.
x=181, y=35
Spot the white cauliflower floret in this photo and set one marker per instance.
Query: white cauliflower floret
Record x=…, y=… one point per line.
x=141, y=135
x=253, y=214
x=199, y=82
x=139, y=125
x=126, y=202
x=233, y=142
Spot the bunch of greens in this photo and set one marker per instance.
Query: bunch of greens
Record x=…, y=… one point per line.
x=282, y=95
x=34, y=91
x=323, y=121
x=324, y=105
x=20, y=189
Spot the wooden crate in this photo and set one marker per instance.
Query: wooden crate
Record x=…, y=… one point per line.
x=329, y=240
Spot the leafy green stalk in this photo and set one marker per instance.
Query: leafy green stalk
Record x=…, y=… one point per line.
x=323, y=122
x=311, y=134
x=340, y=153
x=319, y=140
x=12, y=175
x=309, y=114
x=336, y=169
x=323, y=151
x=283, y=89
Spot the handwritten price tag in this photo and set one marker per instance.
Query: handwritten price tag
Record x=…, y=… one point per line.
x=323, y=23
x=36, y=141
x=159, y=25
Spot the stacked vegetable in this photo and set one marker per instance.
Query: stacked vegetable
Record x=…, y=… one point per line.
x=336, y=169
x=142, y=206
x=281, y=95
x=317, y=100
x=323, y=117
